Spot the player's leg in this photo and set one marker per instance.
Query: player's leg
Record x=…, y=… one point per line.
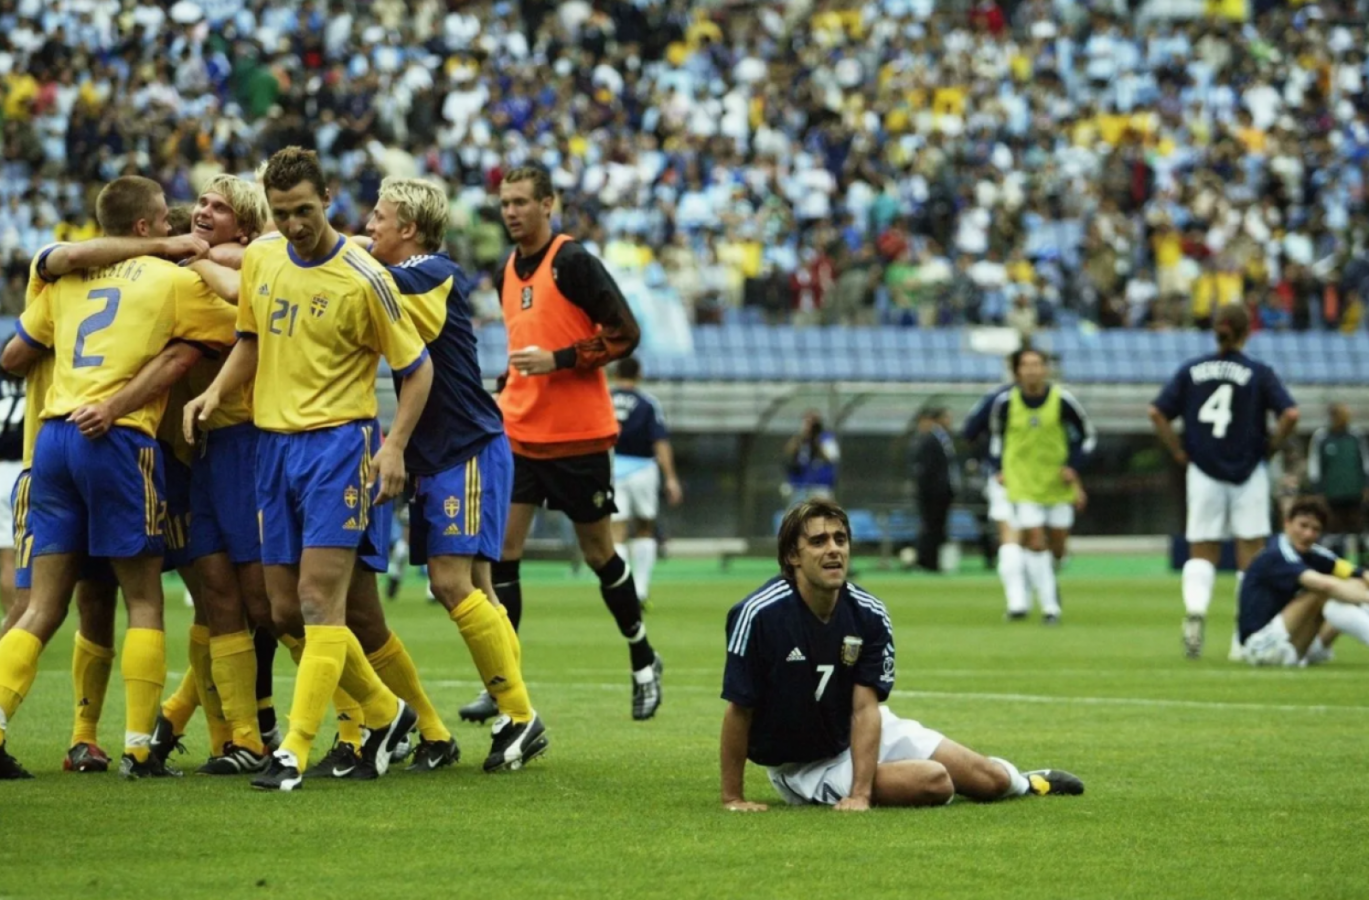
x=92, y=662
x=23, y=550
x=1031, y=521
x=1250, y=506
x=985, y=778
x=912, y=782
x=1207, y=525
x=143, y=662
x=1012, y=562
x=233, y=662
x=1285, y=640
x=6, y=579
x=644, y=493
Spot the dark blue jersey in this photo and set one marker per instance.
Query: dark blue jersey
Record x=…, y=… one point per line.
x=640, y=422
x=1225, y=402
x=798, y=674
x=461, y=417
x=978, y=421
x=1271, y=582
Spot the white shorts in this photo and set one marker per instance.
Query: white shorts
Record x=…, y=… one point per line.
x=1036, y=515
x=1000, y=507
x=1270, y=646
x=828, y=781
x=9, y=474
x=638, y=496
x=1218, y=510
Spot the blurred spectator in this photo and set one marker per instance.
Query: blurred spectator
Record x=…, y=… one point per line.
x=810, y=460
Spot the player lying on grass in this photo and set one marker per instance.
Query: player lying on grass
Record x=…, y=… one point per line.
x=1293, y=588
x=810, y=659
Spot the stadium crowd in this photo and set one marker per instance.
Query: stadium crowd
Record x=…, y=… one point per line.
x=1029, y=163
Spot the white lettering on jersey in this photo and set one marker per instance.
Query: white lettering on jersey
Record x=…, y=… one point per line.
x=1221, y=370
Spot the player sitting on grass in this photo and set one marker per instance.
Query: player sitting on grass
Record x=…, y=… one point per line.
x=1293, y=587
x=810, y=659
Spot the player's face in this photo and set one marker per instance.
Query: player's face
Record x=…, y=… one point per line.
x=1303, y=531
x=214, y=221
x=1031, y=371
x=823, y=556
x=383, y=229
x=524, y=215
x=301, y=215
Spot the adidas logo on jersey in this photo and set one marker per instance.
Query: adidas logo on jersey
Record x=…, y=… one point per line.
x=351, y=525
x=452, y=531
x=796, y=655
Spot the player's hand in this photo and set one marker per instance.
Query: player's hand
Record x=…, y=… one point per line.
x=185, y=248
x=999, y=478
x=1081, y=498
x=228, y=255
x=674, y=494
x=743, y=806
x=388, y=468
x=533, y=361
x=1068, y=475
x=853, y=804
x=93, y=420
x=197, y=412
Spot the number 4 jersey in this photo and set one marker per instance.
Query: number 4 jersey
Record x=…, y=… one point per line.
x=1225, y=401
x=103, y=325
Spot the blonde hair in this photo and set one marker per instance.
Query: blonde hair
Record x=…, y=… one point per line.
x=422, y=203
x=247, y=200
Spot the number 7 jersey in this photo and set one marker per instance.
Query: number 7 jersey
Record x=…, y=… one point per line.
x=103, y=325
x=1225, y=401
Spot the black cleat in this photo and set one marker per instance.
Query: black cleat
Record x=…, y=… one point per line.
x=480, y=709
x=646, y=695
x=1194, y=627
x=1052, y=619
x=164, y=739
x=271, y=739
x=434, y=755
x=282, y=773
x=86, y=758
x=235, y=761
x=516, y=744
x=339, y=762
x=152, y=767
x=10, y=770
x=1017, y=616
x=1054, y=782
x=379, y=746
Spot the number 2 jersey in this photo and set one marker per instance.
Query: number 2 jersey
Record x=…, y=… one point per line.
x=1225, y=401
x=798, y=674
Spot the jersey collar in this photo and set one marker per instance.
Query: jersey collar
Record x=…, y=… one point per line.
x=290, y=249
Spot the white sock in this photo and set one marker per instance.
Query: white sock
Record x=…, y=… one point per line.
x=1235, y=654
x=1018, y=785
x=1198, y=578
x=1041, y=574
x=621, y=550
x=643, y=561
x=1351, y=618
x=1012, y=572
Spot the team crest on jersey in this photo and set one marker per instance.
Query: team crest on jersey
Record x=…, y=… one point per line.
x=451, y=506
x=350, y=497
x=527, y=297
x=1034, y=421
x=850, y=649
x=318, y=306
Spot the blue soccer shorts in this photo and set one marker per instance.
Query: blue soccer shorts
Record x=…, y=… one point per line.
x=464, y=510
x=223, y=496
x=374, y=554
x=177, y=512
x=101, y=498
x=23, y=537
x=311, y=490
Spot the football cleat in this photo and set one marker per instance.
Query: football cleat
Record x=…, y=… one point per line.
x=1193, y=636
x=402, y=750
x=234, y=761
x=1017, y=616
x=516, y=744
x=1051, y=619
x=10, y=770
x=646, y=695
x=165, y=739
x=379, y=745
x=480, y=709
x=86, y=758
x=282, y=773
x=1053, y=782
x=339, y=762
x=152, y=767
x=434, y=755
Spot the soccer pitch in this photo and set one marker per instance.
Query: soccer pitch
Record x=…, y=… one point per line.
x=1204, y=779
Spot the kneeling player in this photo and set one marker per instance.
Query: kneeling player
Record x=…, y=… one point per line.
x=1295, y=586
x=809, y=659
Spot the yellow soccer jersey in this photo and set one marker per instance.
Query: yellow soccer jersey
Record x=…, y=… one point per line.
x=104, y=325
x=321, y=329
x=39, y=377
x=234, y=408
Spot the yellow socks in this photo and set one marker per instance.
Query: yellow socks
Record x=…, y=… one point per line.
x=180, y=706
x=235, y=675
x=202, y=669
x=349, y=718
x=486, y=630
x=320, y=666
x=396, y=668
x=91, y=665
x=19, y=652
x=379, y=706
x=294, y=645
x=144, y=671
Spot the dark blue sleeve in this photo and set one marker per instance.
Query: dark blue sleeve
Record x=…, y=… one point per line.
x=1321, y=560
x=977, y=422
x=1286, y=576
x=1079, y=430
x=423, y=277
x=657, y=429
x=740, y=672
x=1171, y=400
x=875, y=668
x=42, y=267
x=1276, y=396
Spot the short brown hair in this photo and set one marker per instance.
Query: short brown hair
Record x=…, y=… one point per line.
x=178, y=219
x=540, y=178
x=1016, y=359
x=1231, y=324
x=290, y=167
x=1310, y=506
x=125, y=201
x=791, y=529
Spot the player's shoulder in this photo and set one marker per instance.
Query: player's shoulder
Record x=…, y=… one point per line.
x=763, y=601
x=868, y=605
x=426, y=271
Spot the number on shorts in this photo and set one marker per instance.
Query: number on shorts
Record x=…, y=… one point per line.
x=826, y=672
x=1217, y=410
x=95, y=322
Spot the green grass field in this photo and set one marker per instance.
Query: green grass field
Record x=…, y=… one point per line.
x=1205, y=779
